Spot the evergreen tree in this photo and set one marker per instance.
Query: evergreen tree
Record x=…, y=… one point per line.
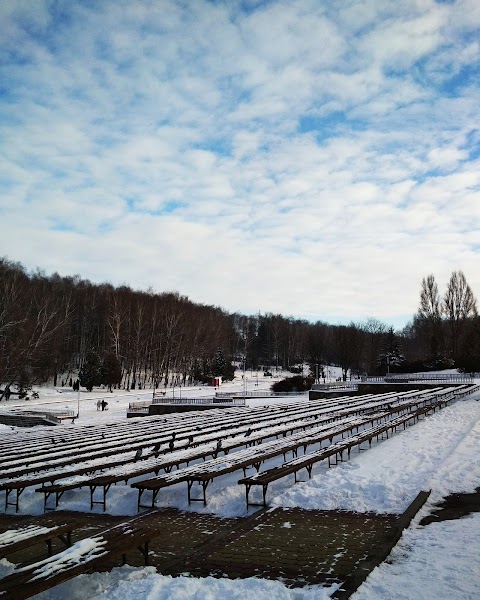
x=392, y=355
x=111, y=371
x=90, y=373
x=469, y=355
x=219, y=363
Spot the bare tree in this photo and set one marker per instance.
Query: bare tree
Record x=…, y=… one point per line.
x=374, y=334
x=348, y=343
x=459, y=304
x=430, y=312
x=31, y=315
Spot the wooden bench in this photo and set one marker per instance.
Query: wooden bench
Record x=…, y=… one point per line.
x=264, y=478
x=253, y=456
x=109, y=478
x=167, y=462
x=40, y=529
x=17, y=485
x=82, y=557
x=336, y=450
x=64, y=450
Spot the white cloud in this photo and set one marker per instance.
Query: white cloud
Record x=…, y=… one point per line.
x=291, y=158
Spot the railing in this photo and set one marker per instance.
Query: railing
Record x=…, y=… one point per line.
x=429, y=377
x=197, y=401
x=335, y=385
x=138, y=406
x=421, y=377
x=258, y=394
x=52, y=415
x=264, y=394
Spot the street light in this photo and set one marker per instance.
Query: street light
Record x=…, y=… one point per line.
x=245, y=366
x=244, y=376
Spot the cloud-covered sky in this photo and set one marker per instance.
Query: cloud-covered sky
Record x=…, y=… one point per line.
x=306, y=157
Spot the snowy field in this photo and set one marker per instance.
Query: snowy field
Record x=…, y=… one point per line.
x=441, y=453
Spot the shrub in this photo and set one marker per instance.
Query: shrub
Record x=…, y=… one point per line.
x=293, y=384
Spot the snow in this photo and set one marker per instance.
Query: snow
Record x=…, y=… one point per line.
x=23, y=533
x=83, y=551
x=436, y=561
x=438, y=453
x=127, y=583
x=440, y=560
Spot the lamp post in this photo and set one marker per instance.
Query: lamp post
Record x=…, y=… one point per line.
x=244, y=376
x=245, y=366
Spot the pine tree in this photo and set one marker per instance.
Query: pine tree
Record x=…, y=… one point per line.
x=392, y=355
x=219, y=364
x=90, y=374
x=111, y=371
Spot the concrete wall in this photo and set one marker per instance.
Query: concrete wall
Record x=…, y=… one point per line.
x=165, y=409
x=376, y=388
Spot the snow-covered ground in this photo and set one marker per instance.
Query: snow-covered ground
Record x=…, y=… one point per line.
x=441, y=453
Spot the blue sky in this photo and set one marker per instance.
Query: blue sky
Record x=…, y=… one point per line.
x=315, y=159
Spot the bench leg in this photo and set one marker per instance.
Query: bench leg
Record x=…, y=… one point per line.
x=17, y=498
x=247, y=493
x=248, y=487
x=47, y=495
x=264, y=491
x=105, y=491
x=140, y=494
x=204, y=485
x=66, y=539
x=144, y=551
x=58, y=497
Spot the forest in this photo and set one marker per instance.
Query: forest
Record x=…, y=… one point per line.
x=70, y=331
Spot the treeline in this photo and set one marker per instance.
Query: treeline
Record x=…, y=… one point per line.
x=52, y=326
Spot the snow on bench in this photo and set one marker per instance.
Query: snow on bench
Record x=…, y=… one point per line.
x=51, y=475
x=82, y=557
x=253, y=456
x=38, y=530
x=51, y=472
x=307, y=461
x=107, y=479
x=93, y=459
